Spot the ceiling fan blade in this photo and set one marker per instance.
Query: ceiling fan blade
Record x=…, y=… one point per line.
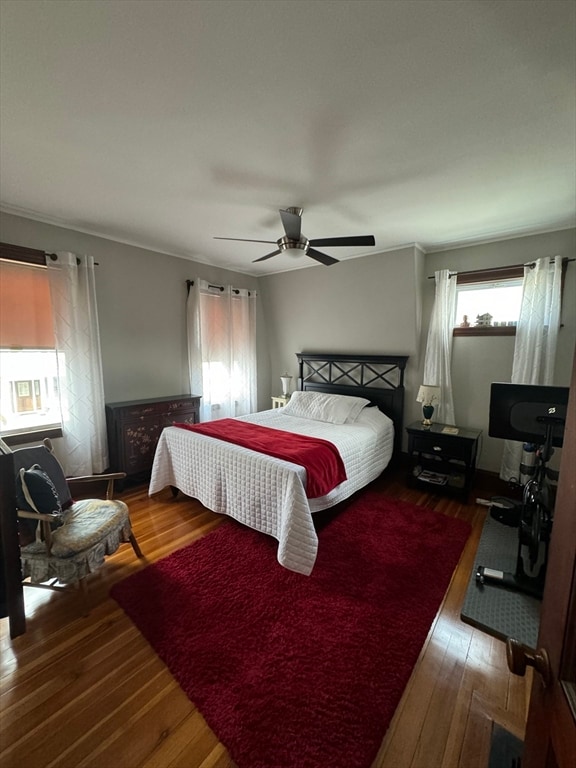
x=268, y=256
x=323, y=258
x=335, y=241
x=243, y=240
x=292, y=224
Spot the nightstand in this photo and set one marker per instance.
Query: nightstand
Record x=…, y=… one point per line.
x=442, y=461
x=281, y=401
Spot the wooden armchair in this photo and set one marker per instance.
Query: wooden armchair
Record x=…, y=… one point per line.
x=62, y=541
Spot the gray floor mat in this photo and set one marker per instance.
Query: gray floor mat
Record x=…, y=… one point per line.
x=497, y=611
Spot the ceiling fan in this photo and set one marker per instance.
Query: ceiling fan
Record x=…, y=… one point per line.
x=295, y=240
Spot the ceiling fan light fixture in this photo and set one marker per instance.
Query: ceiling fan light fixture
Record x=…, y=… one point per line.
x=293, y=242
x=287, y=245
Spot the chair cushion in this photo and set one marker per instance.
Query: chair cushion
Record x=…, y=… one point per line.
x=86, y=523
x=95, y=526
x=35, y=492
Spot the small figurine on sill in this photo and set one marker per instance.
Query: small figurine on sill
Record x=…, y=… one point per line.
x=465, y=323
x=484, y=320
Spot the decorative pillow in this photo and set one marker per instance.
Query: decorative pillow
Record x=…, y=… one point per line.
x=35, y=492
x=320, y=406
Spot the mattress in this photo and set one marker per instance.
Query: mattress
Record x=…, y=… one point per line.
x=266, y=493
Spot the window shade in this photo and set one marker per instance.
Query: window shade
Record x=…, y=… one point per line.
x=25, y=307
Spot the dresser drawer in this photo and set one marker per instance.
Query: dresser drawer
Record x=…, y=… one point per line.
x=182, y=410
x=133, y=413
x=184, y=415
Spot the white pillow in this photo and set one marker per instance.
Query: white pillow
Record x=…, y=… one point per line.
x=320, y=406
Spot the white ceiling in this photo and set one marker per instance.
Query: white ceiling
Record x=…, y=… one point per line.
x=164, y=123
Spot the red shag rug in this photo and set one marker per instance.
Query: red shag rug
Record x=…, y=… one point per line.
x=295, y=671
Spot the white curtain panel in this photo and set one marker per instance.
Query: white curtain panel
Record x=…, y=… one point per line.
x=536, y=338
x=438, y=356
x=81, y=389
x=222, y=349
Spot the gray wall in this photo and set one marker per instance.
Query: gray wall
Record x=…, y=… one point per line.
x=477, y=361
x=141, y=298
x=369, y=305
x=377, y=304
x=382, y=304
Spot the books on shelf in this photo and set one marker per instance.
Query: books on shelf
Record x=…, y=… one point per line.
x=436, y=478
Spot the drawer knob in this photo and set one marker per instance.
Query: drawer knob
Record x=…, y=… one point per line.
x=437, y=447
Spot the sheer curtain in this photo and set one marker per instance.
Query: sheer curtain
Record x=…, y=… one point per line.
x=81, y=390
x=536, y=337
x=439, y=344
x=222, y=349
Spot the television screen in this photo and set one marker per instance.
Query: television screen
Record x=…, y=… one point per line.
x=522, y=412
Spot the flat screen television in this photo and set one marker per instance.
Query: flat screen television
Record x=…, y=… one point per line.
x=522, y=412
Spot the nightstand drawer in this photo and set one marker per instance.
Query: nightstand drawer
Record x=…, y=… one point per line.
x=435, y=446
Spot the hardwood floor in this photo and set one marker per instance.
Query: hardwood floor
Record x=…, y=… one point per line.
x=89, y=691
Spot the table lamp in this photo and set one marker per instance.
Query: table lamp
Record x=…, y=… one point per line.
x=286, y=379
x=428, y=395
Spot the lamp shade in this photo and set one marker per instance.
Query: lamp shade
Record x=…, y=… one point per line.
x=286, y=379
x=428, y=394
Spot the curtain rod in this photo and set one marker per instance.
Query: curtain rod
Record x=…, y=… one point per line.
x=530, y=264
x=54, y=256
x=190, y=283
x=24, y=255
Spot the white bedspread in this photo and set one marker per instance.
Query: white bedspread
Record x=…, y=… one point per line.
x=266, y=493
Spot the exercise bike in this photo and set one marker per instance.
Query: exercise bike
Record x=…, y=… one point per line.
x=534, y=525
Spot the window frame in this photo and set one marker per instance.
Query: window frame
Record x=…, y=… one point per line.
x=18, y=253
x=485, y=276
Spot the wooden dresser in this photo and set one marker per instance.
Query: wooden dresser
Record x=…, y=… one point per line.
x=134, y=427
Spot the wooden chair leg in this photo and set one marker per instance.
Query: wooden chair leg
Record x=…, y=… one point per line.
x=135, y=546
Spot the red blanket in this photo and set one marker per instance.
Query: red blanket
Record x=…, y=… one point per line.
x=321, y=459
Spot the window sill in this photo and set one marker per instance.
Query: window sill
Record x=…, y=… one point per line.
x=34, y=436
x=489, y=330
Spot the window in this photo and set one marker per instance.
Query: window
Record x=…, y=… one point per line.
x=29, y=396
x=488, y=302
x=222, y=349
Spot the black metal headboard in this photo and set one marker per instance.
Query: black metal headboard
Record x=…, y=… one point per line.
x=378, y=378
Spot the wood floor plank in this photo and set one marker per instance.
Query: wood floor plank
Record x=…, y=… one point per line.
x=136, y=736
x=189, y=739
x=458, y=727
x=122, y=709
x=475, y=751
x=441, y=707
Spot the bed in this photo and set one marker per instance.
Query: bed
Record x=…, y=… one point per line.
x=269, y=494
